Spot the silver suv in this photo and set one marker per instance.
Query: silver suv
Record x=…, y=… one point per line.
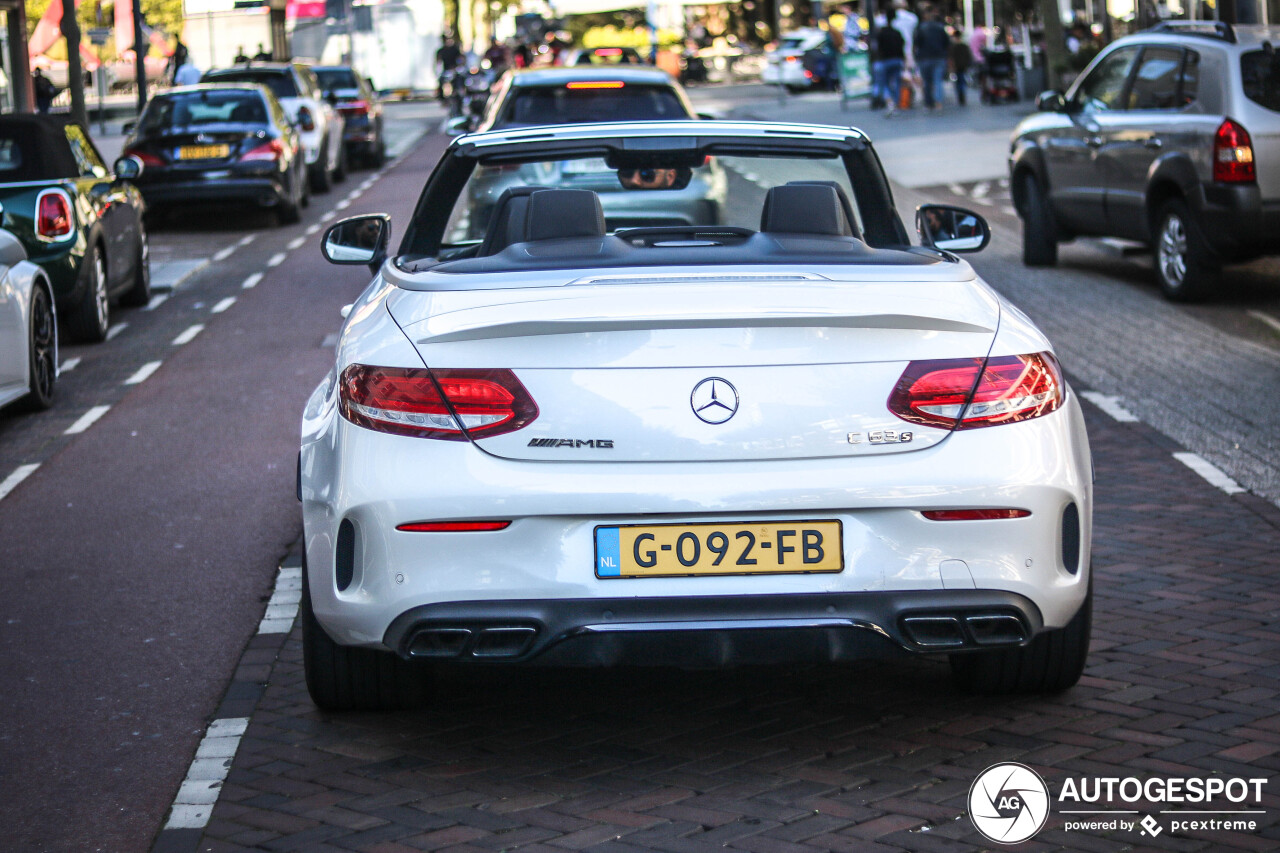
x=1170, y=137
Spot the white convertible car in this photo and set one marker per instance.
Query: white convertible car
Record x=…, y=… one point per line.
x=28, y=329
x=789, y=437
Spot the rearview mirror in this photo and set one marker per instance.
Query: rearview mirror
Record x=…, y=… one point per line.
x=358, y=240
x=951, y=229
x=128, y=168
x=128, y=127
x=1051, y=101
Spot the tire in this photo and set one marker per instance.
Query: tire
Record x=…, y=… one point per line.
x=42, y=352
x=320, y=182
x=304, y=184
x=340, y=678
x=378, y=158
x=290, y=211
x=1186, y=267
x=1050, y=663
x=140, y=293
x=92, y=317
x=1039, y=236
x=340, y=170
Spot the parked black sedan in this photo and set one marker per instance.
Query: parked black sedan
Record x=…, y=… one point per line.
x=354, y=99
x=218, y=142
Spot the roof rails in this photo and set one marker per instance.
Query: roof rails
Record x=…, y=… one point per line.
x=1207, y=29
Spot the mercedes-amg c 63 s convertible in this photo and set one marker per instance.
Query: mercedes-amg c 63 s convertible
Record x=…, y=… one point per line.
x=788, y=436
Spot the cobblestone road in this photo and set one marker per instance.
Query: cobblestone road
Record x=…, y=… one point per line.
x=1182, y=682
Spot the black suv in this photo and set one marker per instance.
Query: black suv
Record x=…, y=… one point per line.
x=1170, y=137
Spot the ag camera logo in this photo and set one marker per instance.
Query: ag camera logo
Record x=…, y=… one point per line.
x=1008, y=803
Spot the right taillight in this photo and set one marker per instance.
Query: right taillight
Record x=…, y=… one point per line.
x=968, y=393
x=146, y=158
x=445, y=404
x=1233, y=154
x=53, y=216
x=272, y=150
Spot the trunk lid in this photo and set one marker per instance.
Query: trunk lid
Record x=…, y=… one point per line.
x=712, y=366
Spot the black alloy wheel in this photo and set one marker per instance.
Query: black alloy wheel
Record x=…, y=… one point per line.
x=140, y=293
x=43, y=350
x=1039, y=238
x=92, y=317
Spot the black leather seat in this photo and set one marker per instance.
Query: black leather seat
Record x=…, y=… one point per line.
x=506, y=223
x=817, y=208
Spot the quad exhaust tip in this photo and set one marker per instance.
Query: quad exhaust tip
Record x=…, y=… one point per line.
x=505, y=641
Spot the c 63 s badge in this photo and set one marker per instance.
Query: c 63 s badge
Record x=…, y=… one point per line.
x=574, y=443
x=881, y=436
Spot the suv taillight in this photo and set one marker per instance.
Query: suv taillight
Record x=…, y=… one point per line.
x=446, y=404
x=1233, y=154
x=306, y=121
x=267, y=151
x=967, y=393
x=53, y=215
x=354, y=108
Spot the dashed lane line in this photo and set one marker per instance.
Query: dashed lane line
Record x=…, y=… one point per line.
x=114, y=331
x=283, y=606
x=188, y=335
x=143, y=373
x=156, y=301
x=246, y=240
x=277, y=259
x=69, y=365
x=342, y=205
x=328, y=214
x=86, y=420
x=223, y=254
x=296, y=243
x=223, y=305
x=1213, y=474
x=199, y=790
x=251, y=282
x=1265, y=318
x=312, y=229
x=19, y=474
x=1110, y=405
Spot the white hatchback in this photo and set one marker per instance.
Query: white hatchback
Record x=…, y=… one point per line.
x=791, y=436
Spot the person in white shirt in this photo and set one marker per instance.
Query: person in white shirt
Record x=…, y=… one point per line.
x=905, y=22
x=187, y=75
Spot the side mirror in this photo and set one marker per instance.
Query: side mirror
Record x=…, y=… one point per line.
x=1051, y=101
x=951, y=229
x=128, y=168
x=358, y=240
x=332, y=97
x=128, y=127
x=457, y=125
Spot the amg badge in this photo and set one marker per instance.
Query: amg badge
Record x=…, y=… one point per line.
x=597, y=443
x=881, y=436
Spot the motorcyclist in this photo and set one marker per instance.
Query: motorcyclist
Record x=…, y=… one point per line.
x=447, y=59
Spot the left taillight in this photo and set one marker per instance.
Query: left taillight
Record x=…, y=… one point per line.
x=53, y=215
x=272, y=150
x=145, y=157
x=306, y=121
x=969, y=393
x=1233, y=154
x=447, y=404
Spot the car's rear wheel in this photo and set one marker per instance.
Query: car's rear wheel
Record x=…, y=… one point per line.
x=1050, y=663
x=320, y=176
x=42, y=369
x=1039, y=239
x=1185, y=265
x=289, y=210
x=340, y=170
x=92, y=317
x=140, y=293
x=378, y=156
x=340, y=678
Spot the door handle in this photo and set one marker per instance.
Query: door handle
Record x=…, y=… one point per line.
x=1094, y=141
x=1153, y=142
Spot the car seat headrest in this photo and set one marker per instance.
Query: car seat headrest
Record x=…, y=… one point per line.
x=805, y=208
x=554, y=214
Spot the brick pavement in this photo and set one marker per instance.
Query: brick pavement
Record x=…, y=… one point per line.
x=1182, y=681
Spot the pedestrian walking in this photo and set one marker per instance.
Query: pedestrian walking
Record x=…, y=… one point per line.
x=891, y=49
x=241, y=56
x=187, y=74
x=961, y=58
x=905, y=21
x=931, y=48
x=263, y=55
x=44, y=89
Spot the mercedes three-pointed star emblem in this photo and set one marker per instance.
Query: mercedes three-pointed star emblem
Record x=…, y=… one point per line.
x=714, y=400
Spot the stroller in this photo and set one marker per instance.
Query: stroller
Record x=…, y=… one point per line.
x=999, y=77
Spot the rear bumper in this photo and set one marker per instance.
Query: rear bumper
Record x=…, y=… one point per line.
x=1236, y=221
x=265, y=192
x=713, y=631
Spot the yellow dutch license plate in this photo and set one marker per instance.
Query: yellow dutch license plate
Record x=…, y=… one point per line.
x=203, y=152
x=681, y=550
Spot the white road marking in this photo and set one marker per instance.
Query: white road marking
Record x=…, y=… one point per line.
x=283, y=606
x=247, y=239
x=353, y=195
x=342, y=205
x=981, y=189
x=277, y=259
x=69, y=365
x=189, y=335
x=750, y=176
x=199, y=791
x=143, y=373
x=252, y=281
x=115, y=330
x=956, y=189
x=1213, y=474
x=223, y=254
x=223, y=305
x=1010, y=209
x=19, y=474
x=296, y=243
x=329, y=214
x=312, y=229
x=156, y=301
x=86, y=420
x=1264, y=317
x=1110, y=405
x=983, y=200
x=330, y=340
